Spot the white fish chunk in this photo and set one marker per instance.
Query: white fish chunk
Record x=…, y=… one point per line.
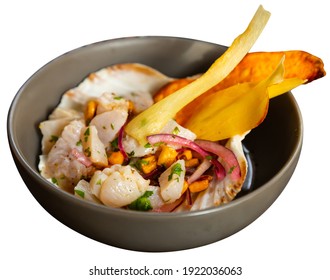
x=93, y=147
x=61, y=165
x=122, y=186
x=134, y=148
x=110, y=101
x=83, y=191
x=172, y=127
x=171, y=181
x=108, y=124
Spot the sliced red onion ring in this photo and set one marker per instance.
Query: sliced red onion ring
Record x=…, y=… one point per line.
x=205, y=165
x=188, y=197
x=219, y=170
x=81, y=157
x=178, y=140
x=120, y=142
x=230, y=162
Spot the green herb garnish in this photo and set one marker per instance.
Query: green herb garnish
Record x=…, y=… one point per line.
x=176, y=130
x=142, y=203
x=176, y=169
x=131, y=154
x=54, y=181
x=231, y=169
x=138, y=163
x=148, y=145
x=86, y=134
x=53, y=138
x=80, y=193
x=88, y=151
x=114, y=144
x=143, y=122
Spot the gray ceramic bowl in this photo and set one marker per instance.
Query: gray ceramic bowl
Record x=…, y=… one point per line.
x=274, y=157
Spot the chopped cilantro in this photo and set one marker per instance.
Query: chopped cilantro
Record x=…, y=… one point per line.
x=176, y=169
x=112, y=126
x=118, y=98
x=114, y=144
x=54, y=181
x=158, y=144
x=148, y=145
x=231, y=169
x=141, y=162
x=79, y=143
x=80, y=193
x=142, y=203
x=143, y=122
x=138, y=163
x=88, y=151
x=53, y=138
x=99, y=182
x=176, y=130
x=86, y=134
x=131, y=154
x=209, y=157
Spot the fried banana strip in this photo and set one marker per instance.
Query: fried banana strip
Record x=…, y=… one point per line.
x=234, y=110
x=153, y=119
x=256, y=66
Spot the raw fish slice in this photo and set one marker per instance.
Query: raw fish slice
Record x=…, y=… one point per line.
x=61, y=165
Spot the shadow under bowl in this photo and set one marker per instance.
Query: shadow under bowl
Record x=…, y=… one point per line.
x=274, y=157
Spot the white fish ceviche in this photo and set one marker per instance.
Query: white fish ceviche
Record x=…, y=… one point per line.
x=131, y=137
x=86, y=151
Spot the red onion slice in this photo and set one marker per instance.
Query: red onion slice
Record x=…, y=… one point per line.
x=230, y=162
x=120, y=142
x=205, y=165
x=178, y=140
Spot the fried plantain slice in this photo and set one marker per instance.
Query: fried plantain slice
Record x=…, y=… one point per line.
x=254, y=67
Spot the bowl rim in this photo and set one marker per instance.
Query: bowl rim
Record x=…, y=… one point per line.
x=18, y=155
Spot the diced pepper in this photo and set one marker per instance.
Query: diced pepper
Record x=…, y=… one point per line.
x=167, y=156
x=90, y=110
x=116, y=158
x=130, y=106
x=193, y=162
x=186, y=154
x=185, y=186
x=148, y=164
x=199, y=186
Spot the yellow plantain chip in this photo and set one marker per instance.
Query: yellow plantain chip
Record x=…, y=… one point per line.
x=234, y=110
x=153, y=119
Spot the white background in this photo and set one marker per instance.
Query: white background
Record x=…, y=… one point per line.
x=289, y=241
